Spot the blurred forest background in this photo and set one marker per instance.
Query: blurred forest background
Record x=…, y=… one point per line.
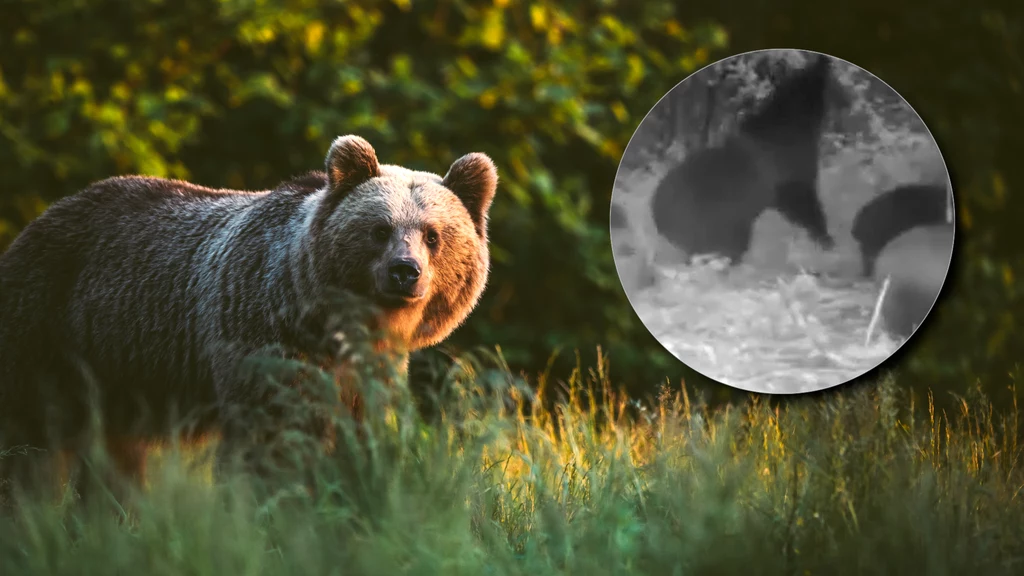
x=245, y=93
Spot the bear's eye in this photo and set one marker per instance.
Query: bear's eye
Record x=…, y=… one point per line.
x=433, y=238
x=381, y=232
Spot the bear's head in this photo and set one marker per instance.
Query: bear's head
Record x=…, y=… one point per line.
x=414, y=243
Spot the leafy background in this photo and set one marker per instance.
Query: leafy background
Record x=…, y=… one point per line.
x=244, y=93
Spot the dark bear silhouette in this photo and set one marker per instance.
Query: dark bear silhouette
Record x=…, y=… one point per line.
x=894, y=212
x=708, y=203
x=906, y=234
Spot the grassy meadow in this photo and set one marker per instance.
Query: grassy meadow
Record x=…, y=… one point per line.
x=861, y=480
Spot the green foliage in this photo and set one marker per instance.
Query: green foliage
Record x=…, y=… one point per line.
x=246, y=92
x=865, y=482
x=241, y=93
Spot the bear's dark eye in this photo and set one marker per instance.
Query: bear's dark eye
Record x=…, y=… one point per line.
x=381, y=232
x=433, y=238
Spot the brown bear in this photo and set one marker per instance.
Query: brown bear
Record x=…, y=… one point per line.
x=151, y=292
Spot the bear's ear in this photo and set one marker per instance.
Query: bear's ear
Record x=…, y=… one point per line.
x=474, y=179
x=350, y=162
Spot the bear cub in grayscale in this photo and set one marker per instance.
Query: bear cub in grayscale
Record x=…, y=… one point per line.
x=156, y=290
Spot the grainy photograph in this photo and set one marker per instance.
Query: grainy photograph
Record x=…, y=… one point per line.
x=782, y=221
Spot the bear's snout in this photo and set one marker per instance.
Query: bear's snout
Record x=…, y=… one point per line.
x=403, y=279
x=403, y=274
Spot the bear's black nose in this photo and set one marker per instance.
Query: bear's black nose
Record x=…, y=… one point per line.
x=403, y=273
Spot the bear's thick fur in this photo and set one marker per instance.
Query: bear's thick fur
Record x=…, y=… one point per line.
x=709, y=203
x=156, y=290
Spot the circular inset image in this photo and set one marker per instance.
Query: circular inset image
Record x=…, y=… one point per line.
x=782, y=221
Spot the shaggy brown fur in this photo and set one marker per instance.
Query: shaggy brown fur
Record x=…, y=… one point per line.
x=156, y=290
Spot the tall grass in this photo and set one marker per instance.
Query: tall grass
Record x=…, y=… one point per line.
x=857, y=481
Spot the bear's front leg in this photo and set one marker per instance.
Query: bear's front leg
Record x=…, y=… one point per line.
x=270, y=423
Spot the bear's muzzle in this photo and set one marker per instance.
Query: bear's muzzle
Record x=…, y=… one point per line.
x=404, y=282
